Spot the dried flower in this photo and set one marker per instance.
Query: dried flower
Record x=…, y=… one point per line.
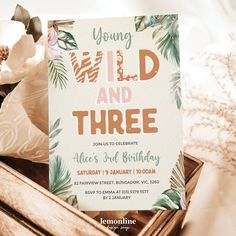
x=4, y=53
x=213, y=112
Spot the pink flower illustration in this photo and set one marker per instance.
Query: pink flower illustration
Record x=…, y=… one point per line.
x=52, y=36
x=53, y=49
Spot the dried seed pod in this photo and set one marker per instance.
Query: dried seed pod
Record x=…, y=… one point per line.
x=4, y=53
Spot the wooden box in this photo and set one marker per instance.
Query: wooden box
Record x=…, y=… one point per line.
x=28, y=208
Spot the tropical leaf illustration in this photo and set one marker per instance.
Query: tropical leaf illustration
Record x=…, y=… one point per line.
x=59, y=177
x=66, y=41
x=57, y=73
x=73, y=201
x=177, y=180
x=54, y=125
x=174, y=198
x=169, y=200
x=52, y=148
x=165, y=35
x=53, y=132
x=176, y=88
x=143, y=22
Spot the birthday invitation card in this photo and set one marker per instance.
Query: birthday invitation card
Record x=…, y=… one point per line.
x=115, y=133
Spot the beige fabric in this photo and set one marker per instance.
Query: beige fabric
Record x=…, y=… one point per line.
x=23, y=115
x=212, y=208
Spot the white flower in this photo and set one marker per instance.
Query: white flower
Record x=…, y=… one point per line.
x=24, y=55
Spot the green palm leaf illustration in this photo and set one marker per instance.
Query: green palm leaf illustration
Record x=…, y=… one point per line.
x=54, y=125
x=57, y=73
x=166, y=37
x=53, y=132
x=143, y=22
x=176, y=88
x=59, y=177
